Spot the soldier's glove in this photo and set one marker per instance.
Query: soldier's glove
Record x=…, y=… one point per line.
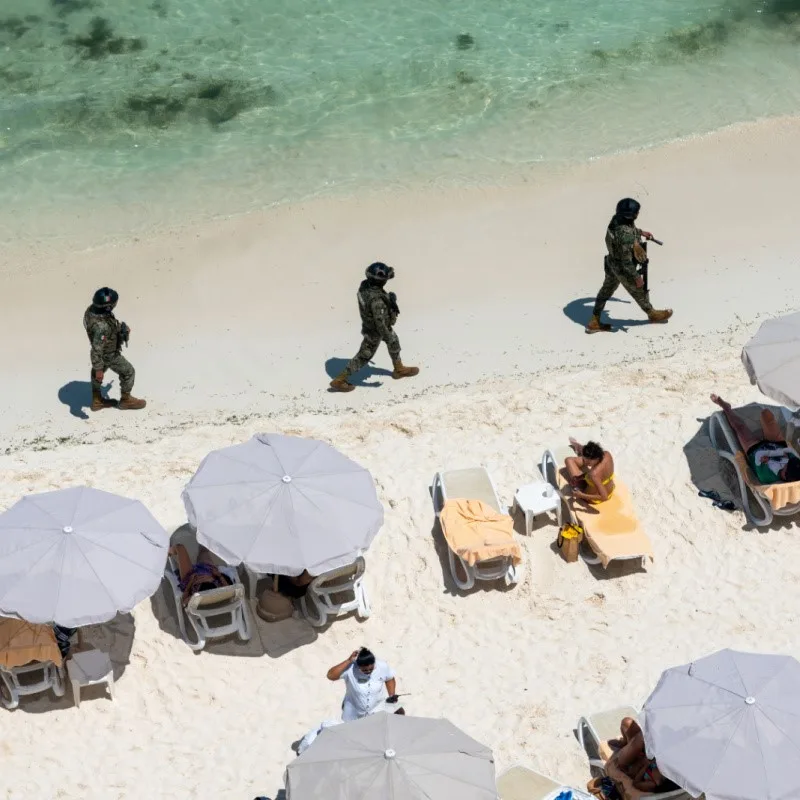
x=639, y=253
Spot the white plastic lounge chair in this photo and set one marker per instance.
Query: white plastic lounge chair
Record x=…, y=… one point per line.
x=211, y=614
x=611, y=529
x=40, y=676
x=754, y=500
x=595, y=732
x=473, y=484
x=522, y=783
x=336, y=593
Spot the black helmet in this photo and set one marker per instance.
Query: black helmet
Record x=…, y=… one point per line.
x=379, y=271
x=105, y=298
x=628, y=209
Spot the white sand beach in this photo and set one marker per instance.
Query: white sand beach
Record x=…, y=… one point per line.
x=234, y=324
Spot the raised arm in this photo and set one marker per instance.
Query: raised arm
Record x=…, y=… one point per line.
x=336, y=672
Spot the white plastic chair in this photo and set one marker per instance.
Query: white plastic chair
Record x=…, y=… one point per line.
x=473, y=484
x=755, y=505
x=595, y=731
x=213, y=613
x=89, y=668
x=336, y=593
x=38, y=677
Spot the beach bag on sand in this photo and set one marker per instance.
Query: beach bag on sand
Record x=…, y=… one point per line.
x=274, y=607
x=569, y=542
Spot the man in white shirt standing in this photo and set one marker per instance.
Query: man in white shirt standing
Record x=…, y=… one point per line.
x=369, y=685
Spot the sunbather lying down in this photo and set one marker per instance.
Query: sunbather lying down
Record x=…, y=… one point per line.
x=629, y=767
x=590, y=471
x=770, y=458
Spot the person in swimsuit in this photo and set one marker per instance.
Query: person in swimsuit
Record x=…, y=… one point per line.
x=591, y=472
x=197, y=577
x=630, y=767
x=770, y=457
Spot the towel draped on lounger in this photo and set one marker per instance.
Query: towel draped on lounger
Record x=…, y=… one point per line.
x=476, y=532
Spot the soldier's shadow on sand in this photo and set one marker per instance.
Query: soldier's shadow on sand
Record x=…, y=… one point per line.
x=77, y=395
x=334, y=367
x=580, y=312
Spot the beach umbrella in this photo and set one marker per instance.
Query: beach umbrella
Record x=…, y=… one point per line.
x=393, y=757
x=78, y=557
x=728, y=725
x=283, y=504
x=772, y=359
x=22, y=642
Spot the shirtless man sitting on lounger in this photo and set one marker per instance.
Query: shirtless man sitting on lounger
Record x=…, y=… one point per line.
x=770, y=458
x=629, y=767
x=591, y=472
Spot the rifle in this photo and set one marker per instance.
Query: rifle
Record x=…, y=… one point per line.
x=643, y=267
x=124, y=333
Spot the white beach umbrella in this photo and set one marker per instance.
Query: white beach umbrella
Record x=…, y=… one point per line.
x=78, y=557
x=283, y=504
x=772, y=359
x=728, y=726
x=393, y=757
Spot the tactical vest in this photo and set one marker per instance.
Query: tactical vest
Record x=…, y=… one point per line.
x=367, y=293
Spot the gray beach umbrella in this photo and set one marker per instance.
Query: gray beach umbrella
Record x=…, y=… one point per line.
x=728, y=725
x=393, y=757
x=78, y=557
x=772, y=359
x=283, y=504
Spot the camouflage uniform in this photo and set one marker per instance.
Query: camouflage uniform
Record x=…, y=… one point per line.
x=103, y=332
x=620, y=266
x=378, y=316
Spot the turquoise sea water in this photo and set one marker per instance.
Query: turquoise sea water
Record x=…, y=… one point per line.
x=219, y=106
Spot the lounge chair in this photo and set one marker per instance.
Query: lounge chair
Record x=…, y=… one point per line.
x=475, y=487
x=611, y=529
x=35, y=678
x=336, y=593
x=213, y=613
x=760, y=503
x=521, y=783
x=594, y=733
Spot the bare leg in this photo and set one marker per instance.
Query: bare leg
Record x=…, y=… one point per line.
x=746, y=439
x=770, y=427
x=628, y=728
x=574, y=467
x=185, y=565
x=631, y=752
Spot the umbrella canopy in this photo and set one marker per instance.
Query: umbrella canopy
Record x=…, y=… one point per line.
x=78, y=557
x=22, y=642
x=393, y=757
x=283, y=504
x=728, y=726
x=772, y=359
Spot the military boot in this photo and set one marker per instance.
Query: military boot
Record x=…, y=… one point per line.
x=657, y=315
x=404, y=372
x=341, y=384
x=99, y=402
x=595, y=326
x=130, y=403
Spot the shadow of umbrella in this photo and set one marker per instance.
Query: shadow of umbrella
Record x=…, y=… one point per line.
x=709, y=472
x=115, y=638
x=273, y=639
x=580, y=312
x=334, y=367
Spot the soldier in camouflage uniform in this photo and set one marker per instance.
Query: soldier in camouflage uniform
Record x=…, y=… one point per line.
x=106, y=334
x=379, y=313
x=624, y=252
